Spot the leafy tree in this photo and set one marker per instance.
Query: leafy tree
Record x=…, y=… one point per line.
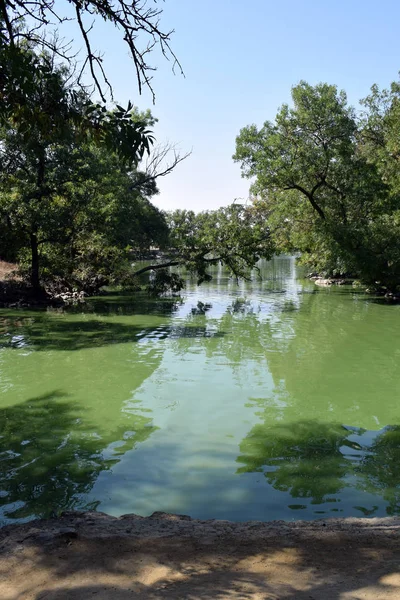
x=108, y=213
x=379, y=143
x=41, y=107
x=318, y=189
x=307, y=150
x=70, y=190
x=92, y=214
x=236, y=236
x=74, y=198
x=379, y=138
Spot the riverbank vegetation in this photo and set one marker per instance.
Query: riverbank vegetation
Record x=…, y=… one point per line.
x=78, y=176
x=328, y=180
x=77, y=180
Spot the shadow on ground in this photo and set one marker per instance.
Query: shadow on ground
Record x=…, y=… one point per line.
x=97, y=556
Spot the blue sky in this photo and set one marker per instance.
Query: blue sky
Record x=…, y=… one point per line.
x=240, y=60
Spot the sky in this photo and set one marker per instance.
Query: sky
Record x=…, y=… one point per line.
x=240, y=61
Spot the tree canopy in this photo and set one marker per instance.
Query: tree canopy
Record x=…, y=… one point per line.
x=70, y=187
x=76, y=190
x=236, y=236
x=327, y=180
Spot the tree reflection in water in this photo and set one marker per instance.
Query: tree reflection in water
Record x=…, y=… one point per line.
x=303, y=356
x=316, y=461
x=379, y=470
x=318, y=367
x=303, y=458
x=50, y=456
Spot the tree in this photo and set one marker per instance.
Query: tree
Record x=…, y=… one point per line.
x=379, y=135
x=93, y=212
x=306, y=150
x=320, y=193
x=236, y=236
x=70, y=188
x=107, y=215
x=379, y=144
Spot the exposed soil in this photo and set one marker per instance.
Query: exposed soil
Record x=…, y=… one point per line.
x=7, y=270
x=92, y=555
x=15, y=293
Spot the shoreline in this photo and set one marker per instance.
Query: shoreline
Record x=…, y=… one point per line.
x=80, y=555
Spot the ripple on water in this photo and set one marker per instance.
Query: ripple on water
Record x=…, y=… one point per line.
x=267, y=400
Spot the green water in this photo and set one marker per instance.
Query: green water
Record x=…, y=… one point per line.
x=272, y=400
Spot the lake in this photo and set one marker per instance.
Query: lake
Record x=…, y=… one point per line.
x=272, y=399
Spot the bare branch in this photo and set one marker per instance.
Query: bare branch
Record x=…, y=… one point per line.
x=159, y=164
x=90, y=57
x=135, y=19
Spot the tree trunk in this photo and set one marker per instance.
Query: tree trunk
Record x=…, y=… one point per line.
x=35, y=279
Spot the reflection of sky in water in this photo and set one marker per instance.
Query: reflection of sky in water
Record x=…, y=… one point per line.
x=197, y=406
x=228, y=404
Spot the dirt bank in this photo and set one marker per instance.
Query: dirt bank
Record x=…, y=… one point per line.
x=92, y=555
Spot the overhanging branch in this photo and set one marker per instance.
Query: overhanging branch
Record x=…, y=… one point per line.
x=157, y=266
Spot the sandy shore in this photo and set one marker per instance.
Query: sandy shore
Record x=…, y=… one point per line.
x=92, y=555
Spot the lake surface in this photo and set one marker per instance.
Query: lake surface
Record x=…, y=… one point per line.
x=263, y=400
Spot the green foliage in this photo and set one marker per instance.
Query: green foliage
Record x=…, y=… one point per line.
x=76, y=204
x=41, y=106
x=379, y=133
x=236, y=236
x=327, y=182
x=86, y=227
x=164, y=282
x=72, y=200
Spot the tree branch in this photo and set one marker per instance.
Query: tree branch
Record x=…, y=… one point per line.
x=90, y=57
x=7, y=21
x=310, y=197
x=133, y=18
x=171, y=263
x=154, y=167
